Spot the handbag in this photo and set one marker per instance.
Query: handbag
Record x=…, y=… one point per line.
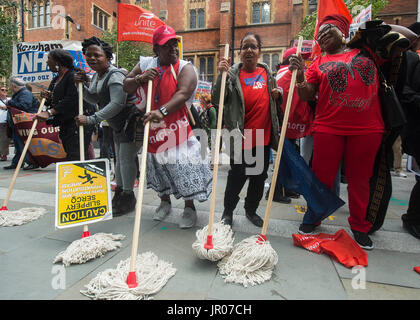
x=392, y=111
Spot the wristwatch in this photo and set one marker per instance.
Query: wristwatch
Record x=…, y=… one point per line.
x=163, y=111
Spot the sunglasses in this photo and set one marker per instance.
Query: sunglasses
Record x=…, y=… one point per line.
x=3, y=89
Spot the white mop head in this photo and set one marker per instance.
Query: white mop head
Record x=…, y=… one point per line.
x=250, y=263
x=152, y=275
x=222, y=242
x=89, y=248
x=16, y=218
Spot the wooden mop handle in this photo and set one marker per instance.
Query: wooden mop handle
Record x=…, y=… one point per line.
x=281, y=142
x=217, y=145
x=142, y=177
x=22, y=156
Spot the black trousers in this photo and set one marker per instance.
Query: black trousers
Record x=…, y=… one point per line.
x=254, y=167
x=69, y=135
x=413, y=212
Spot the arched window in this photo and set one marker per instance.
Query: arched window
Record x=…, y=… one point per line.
x=266, y=59
x=41, y=15
x=261, y=12
x=265, y=14
x=256, y=13
x=47, y=14
x=200, y=18
x=193, y=19
x=34, y=15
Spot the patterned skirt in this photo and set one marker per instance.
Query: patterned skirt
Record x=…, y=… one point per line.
x=181, y=171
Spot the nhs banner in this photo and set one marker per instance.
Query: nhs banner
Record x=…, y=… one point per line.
x=30, y=59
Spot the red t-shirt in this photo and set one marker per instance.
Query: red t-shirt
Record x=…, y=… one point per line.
x=257, y=108
x=348, y=102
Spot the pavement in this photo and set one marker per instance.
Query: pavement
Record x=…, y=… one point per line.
x=27, y=252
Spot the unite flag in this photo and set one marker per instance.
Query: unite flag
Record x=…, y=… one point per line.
x=326, y=8
x=136, y=24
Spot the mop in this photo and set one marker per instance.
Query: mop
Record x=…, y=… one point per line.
x=252, y=260
x=141, y=275
x=14, y=218
x=89, y=246
x=215, y=241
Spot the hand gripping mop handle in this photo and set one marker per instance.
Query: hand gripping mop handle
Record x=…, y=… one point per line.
x=22, y=157
x=263, y=237
x=86, y=232
x=132, y=278
x=209, y=243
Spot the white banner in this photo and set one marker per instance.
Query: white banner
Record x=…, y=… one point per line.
x=363, y=16
x=30, y=58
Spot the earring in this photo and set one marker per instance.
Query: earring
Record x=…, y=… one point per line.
x=57, y=68
x=343, y=40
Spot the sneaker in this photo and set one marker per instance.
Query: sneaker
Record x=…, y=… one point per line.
x=362, y=240
x=12, y=166
x=31, y=166
x=306, y=228
x=399, y=174
x=188, y=219
x=162, y=211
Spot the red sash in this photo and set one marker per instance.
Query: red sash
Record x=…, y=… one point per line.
x=175, y=127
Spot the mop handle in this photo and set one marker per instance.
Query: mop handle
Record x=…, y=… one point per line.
x=82, y=142
x=136, y=230
x=22, y=156
x=281, y=142
x=217, y=145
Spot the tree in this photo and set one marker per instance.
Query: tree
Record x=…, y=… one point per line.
x=354, y=6
x=128, y=51
x=8, y=34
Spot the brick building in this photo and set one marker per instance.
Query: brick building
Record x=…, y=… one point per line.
x=401, y=12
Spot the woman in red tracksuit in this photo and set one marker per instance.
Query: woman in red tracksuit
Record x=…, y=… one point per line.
x=348, y=119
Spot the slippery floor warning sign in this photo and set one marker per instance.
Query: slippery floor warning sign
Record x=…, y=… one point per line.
x=83, y=193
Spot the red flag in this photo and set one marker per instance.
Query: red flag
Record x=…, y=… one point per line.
x=325, y=8
x=136, y=24
x=45, y=147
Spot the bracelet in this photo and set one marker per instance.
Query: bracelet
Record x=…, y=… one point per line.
x=137, y=79
x=49, y=112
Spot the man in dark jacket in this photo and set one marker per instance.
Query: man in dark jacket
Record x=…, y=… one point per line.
x=25, y=101
x=411, y=132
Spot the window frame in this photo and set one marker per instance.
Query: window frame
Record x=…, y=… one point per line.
x=100, y=18
x=261, y=4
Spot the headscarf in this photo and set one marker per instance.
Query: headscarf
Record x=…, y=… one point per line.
x=339, y=21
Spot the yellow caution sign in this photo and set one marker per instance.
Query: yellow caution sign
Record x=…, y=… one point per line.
x=82, y=193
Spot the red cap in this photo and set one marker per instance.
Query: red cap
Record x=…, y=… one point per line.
x=293, y=50
x=163, y=34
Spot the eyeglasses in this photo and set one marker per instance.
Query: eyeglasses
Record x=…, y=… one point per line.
x=249, y=46
x=3, y=89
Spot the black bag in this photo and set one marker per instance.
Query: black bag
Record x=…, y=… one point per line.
x=392, y=110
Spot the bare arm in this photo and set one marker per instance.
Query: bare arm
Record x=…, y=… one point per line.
x=306, y=91
x=136, y=78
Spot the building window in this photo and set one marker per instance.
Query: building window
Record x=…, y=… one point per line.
x=206, y=68
x=197, y=18
x=261, y=12
x=100, y=18
x=271, y=60
x=40, y=14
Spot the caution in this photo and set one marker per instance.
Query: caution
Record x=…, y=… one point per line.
x=83, y=193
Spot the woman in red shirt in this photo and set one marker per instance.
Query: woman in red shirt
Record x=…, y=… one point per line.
x=348, y=119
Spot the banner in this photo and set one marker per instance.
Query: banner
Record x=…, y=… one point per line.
x=136, y=24
x=202, y=87
x=363, y=16
x=325, y=8
x=83, y=193
x=30, y=59
x=45, y=147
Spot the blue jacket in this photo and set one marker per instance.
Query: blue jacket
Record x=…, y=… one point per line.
x=25, y=101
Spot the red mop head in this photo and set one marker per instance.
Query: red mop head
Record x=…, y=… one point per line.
x=132, y=280
x=209, y=243
x=4, y=208
x=261, y=239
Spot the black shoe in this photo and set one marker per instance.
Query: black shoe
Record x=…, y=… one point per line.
x=31, y=166
x=126, y=203
x=117, y=195
x=255, y=219
x=362, y=239
x=282, y=199
x=12, y=166
x=306, y=228
x=292, y=194
x=227, y=217
x=413, y=229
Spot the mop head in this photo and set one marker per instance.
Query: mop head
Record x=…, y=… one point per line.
x=152, y=275
x=89, y=248
x=16, y=218
x=250, y=263
x=222, y=242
